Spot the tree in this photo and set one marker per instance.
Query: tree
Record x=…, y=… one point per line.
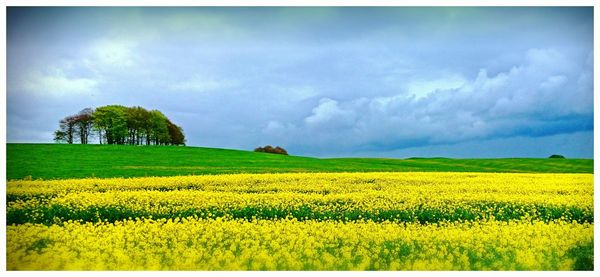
x=271, y=149
x=83, y=123
x=175, y=133
x=111, y=122
x=66, y=129
x=136, y=118
x=158, y=125
x=75, y=126
x=60, y=136
x=116, y=124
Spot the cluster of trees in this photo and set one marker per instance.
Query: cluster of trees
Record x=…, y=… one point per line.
x=116, y=124
x=271, y=149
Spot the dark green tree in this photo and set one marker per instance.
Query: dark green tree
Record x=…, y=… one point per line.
x=175, y=133
x=158, y=125
x=136, y=118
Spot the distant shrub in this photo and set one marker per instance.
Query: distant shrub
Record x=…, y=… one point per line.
x=557, y=157
x=271, y=149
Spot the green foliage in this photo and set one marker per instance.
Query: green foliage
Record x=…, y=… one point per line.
x=62, y=161
x=425, y=215
x=60, y=136
x=116, y=124
x=583, y=256
x=137, y=119
x=158, y=125
x=557, y=157
x=40, y=244
x=111, y=120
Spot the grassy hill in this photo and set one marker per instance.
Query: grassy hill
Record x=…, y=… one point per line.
x=60, y=161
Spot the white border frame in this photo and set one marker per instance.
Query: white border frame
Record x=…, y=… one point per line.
x=291, y=3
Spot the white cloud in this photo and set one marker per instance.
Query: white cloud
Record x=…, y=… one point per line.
x=57, y=83
x=329, y=113
x=554, y=82
x=114, y=53
x=422, y=88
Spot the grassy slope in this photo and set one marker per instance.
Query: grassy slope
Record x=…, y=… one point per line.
x=56, y=161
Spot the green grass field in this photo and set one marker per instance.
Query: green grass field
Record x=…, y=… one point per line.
x=61, y=161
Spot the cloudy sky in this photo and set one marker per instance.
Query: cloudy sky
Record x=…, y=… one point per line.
x=326, y=82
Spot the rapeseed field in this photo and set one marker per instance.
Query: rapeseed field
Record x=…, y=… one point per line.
x=304, y=221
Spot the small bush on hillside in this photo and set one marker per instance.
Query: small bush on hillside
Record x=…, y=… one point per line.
x=271, y=149
x=557, y=157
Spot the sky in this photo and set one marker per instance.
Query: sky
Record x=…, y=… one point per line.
x=325, y=82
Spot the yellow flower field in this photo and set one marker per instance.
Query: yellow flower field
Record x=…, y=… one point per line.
x=304, y=221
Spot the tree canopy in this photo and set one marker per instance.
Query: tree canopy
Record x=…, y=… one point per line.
x=271, y=149
x=116, y=124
